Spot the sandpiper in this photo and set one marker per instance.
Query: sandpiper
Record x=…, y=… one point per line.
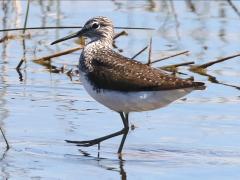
x=122, y=84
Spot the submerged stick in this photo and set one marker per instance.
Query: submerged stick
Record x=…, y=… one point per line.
x=19, y=74
x=5, y=139
x=7, y=37
x=20, y=63
x=122, y=33
x=201, y=69
x=214, y=79
x=177, y=65
x=10, y=37
x=70, y=27
x=24, y=29
x=139, y=52
x=149, y=52
x=167, y=57
x=206, y=65
x=173, y=67
x=234, y=7
x=175, y=18
x=26, y=17
x=68, y=51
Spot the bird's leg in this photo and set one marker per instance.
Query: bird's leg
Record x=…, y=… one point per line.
x=5, y=139
x=126, y=127
x=98, y=140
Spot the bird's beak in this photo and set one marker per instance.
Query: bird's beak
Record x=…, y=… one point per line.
x=76, y=34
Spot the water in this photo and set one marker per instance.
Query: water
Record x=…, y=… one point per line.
x=194, y=137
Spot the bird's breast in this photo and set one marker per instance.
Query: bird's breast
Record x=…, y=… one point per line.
x=132, y=101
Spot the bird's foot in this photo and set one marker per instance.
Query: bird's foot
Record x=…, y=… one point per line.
x=85, y=143
x=98, y=140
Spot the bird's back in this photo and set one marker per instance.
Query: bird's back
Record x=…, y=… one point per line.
x=107, y=69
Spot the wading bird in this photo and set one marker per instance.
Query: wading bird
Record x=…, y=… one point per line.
x=119, y=83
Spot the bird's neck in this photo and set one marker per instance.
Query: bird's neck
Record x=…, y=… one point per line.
x=103, y=42
x=91, y=51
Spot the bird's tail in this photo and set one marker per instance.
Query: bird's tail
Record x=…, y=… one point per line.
x=199, y=85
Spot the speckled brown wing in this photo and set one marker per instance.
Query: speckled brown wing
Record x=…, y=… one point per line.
x=115, y=72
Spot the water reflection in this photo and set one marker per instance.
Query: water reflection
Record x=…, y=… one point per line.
x=99, y=163
x=5, y=9
x=3, y=171
x=3, y=78
x=158, y=159
x=114, y=165
x=4, y=113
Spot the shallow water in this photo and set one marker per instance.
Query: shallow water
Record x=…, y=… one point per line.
x=194, y=137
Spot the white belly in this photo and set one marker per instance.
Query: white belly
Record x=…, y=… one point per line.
x=134, y=101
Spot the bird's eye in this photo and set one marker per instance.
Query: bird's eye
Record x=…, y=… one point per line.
x=95, y=25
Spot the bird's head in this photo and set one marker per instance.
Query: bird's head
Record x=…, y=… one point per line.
x=97, y=28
